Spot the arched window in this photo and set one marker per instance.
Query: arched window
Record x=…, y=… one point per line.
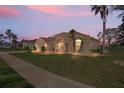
x=77, y=45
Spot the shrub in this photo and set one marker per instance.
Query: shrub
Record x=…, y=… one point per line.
x=43, y=49
x=116, y=50
x=34, y=48
x=28, y=49
x=97, y=50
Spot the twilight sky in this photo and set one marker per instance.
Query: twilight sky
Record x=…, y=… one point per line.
x=31, y=22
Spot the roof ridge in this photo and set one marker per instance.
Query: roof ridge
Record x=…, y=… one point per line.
x=87, y=35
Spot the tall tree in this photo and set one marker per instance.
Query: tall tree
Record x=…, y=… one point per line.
x=14, y=40
x=72, y=34
x=1, y=38
x=120, y=30
x=121, y=33
x=112, y=35
x=119, y=8
x=99, y=35
x=9, y=34
x=103, y=10
x=1, y=35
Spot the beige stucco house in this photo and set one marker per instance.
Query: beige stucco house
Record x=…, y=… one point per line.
x=63, y=43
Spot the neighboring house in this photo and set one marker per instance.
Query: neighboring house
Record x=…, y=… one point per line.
x=19, y=45
x=63, y=43
x=5, y=45
x=28, y=44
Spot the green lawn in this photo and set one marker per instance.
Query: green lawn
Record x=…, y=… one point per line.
x=9, y=78
x=95, y=71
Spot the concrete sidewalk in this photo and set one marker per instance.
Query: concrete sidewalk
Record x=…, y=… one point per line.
x=39, y=77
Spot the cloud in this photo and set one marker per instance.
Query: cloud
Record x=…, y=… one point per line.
x=8, y=11
x=60, y=10
x=45, y=8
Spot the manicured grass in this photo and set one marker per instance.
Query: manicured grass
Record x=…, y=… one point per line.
x=10, y=79
x=95, y=71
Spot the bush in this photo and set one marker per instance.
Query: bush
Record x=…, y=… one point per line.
x=116, y=50
x=97, y=50
x=34, y=48
x=28, y=49
x=43, y=49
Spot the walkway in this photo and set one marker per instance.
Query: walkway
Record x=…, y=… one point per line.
x=38, y=76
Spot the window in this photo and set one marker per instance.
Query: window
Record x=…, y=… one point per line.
x=77, y=45
x=45, y=45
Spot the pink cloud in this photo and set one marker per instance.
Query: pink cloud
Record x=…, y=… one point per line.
x=8, y=11
x=59, y=10
x=45, y=8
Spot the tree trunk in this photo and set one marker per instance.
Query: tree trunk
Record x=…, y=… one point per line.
x=73, y=37
x=109, y=42
x=66, y=47
x=81, y=46
x=104, y=30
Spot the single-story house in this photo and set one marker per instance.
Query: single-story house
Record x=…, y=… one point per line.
x=66, y=43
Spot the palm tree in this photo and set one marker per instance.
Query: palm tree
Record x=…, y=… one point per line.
x=103, y=11
x=99, y=36
x=14, y=40
x=72, y=36
x=9, y=34
x=119, y=8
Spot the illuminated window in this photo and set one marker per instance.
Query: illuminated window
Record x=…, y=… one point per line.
x=38, y=49
x=45, y=45
x=77, y=45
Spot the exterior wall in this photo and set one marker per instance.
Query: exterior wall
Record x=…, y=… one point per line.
x=40, y=43
x=68, y=43
x=51, y=44
x=89, y=43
